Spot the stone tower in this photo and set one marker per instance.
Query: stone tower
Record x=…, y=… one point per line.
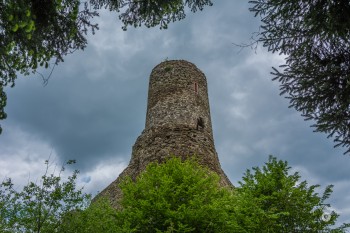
x=177, y=123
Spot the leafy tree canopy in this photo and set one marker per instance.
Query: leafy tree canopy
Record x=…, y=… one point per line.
x=269, y=199
x=182, y=196
x=150, y=12
x=99, y=217
x=39, y=207
x=314, y=36
x=34, y=33
x=176, y=196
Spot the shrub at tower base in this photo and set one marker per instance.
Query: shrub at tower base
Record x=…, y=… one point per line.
x=182, y=196
x=176, y=196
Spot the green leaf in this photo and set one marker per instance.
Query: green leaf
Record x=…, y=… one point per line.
x=22, y=24
x=15, y=28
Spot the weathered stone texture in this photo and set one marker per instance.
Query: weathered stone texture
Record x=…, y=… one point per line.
x=177, y=123
x=177, y=95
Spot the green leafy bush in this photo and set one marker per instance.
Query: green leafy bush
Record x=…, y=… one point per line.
x=39, y=207
x=269, y=199
x=176, y=196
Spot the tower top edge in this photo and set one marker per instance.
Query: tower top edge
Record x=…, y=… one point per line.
x=179, y=61
x=177, y=64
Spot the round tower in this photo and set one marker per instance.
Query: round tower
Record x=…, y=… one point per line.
x=178, y=123
x=178, y=97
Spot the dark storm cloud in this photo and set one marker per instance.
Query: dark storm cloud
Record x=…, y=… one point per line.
x=81, y=118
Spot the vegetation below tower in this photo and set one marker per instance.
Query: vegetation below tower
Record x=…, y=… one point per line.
x=176, y=196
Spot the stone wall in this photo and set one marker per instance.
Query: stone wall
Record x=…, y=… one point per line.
x=177, y=95
x=178, y=123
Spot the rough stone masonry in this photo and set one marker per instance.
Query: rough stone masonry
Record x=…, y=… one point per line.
x=177, y=123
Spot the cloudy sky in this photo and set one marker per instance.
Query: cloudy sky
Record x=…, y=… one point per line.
x=94, y=105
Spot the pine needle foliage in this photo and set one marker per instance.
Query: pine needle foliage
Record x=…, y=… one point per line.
x=314, y=36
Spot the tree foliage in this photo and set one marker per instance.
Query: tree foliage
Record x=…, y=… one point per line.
x=40, y=207
x=3, y=99
x=176, y=197
x=99, y=217
x=314, y=36
x=35, y=33
x=152, y=12
x=269, y=199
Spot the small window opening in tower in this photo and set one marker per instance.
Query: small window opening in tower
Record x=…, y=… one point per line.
x=196, y=87
x=200, y=123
